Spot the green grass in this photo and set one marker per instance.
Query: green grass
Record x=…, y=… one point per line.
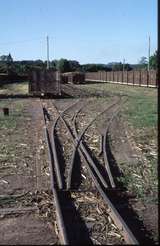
x=140, y=113
x=141, y=108
x=141, y=181
x=14, y=88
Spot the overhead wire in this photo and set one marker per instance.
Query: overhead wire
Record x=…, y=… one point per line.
x=22, y=41
x=25, y=41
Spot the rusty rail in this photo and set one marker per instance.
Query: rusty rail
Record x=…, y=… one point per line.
x=57, y=168
x=126, y=232
x=83, y=151
x=79, y=142
x=62, y=230
x=104, y=146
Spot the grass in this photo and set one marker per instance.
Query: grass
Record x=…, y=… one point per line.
x=141, y=180
x=10, y=121
x=12, y=132
x=140, y=113
x=14, y=88
x=141, y=107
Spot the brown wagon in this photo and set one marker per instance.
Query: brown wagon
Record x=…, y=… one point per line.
x=44, y=82
x=73, y=77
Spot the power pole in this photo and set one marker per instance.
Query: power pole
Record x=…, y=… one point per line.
x=47, y=52
x=149, y=44
x=123, y=64
x=123, y=71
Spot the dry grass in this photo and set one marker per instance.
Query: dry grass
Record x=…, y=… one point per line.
x=14, y=88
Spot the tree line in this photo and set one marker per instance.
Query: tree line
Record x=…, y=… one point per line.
x=11, y=67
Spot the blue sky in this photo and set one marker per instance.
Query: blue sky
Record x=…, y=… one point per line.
x=90, y=31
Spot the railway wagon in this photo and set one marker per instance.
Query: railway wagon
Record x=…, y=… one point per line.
x=44, y=82
x=73, y=77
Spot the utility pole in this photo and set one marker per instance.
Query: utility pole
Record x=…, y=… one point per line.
x=47, y=52
x=149, y=44
x=123, y=71
x=123, y=64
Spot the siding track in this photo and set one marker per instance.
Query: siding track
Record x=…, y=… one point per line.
x=85, y=214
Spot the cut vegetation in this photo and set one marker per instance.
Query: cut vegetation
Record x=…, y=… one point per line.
x=140, y=116
x=135, y=128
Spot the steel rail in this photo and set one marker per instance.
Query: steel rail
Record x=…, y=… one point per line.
x=129, y=237
x=60, y=221
x=53, y=144
x=118, y=220
x=82, y=150
x=105, y=155
x=79, y=140
x=57, y=169
x=55, y=156
x=107, y=166
x=73, y=155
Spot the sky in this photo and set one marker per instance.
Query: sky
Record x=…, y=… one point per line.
x=89, y=31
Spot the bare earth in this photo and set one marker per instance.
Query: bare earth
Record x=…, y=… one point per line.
x=25, y=182
x=27, y=213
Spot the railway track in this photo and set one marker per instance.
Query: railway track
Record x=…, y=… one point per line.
x=85, y=213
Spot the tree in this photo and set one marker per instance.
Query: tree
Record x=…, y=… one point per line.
x=54, y=64
x=3, y=67
x=6, y=64
x=153, y=61
x=143, y=60
x=9, y=58
x=89, y=67
x=10, y=65
x=127, y=67
x=3, y=58
x=94, y=67
x=118, y=66
x=63, y=65
x=143, y=63
x=74, y=65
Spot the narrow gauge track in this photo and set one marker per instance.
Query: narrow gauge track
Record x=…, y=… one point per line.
x=84, y=150
x=72, y=228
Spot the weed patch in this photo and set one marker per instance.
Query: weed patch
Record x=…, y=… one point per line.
x=140, y=113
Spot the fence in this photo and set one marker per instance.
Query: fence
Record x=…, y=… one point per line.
x=44, y=81
x=134, y=77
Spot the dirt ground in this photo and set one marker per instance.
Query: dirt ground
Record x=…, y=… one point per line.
x=25, y=178
x=25, y=201
x=129, y=152
x=125, y=151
